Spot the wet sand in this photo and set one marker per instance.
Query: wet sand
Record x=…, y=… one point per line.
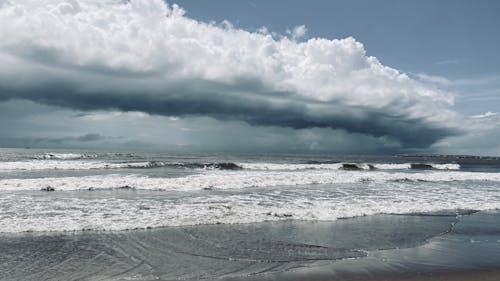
x=469, y=250
x=472, y=275
x=382, y=247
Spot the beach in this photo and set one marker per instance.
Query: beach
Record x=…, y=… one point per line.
x=73, y=215
x=252, y=140
x=382, y=247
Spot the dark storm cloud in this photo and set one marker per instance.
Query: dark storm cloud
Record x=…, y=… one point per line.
x=49, y=141
x=146, y=56
x=282, y=111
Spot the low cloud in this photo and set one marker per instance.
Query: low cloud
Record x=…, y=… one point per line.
x=149, y=57
x=90, y=137
x=481, y=137
x=69, y=141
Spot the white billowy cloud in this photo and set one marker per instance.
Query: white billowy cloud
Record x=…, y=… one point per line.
x=147, y=56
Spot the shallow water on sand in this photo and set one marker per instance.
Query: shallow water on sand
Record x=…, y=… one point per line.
x=209, y=251
x=468, y=250
x=368, y=247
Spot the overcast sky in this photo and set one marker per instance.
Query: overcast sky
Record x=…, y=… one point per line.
x=267, y=76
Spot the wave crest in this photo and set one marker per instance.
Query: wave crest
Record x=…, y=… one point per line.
x=239, y=180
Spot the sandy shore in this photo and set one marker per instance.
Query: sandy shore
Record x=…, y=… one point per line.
x=383, y=247
x=472, y=275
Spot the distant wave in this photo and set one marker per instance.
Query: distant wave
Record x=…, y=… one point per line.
x=156, y=164
x=72, y=161
x=66, y=165
x=348, y=166
x=88, y=165
x=64, y=156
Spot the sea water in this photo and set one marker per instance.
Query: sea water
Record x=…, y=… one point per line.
x=61, y=191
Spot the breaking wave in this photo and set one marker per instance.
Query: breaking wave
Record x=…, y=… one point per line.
x=64, y=156
x=104, y=211
x=89, y=165
x=348, y=166
x=84, y=163
x=238, y=180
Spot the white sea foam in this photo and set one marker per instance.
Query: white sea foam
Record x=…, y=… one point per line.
x=239, y=180
x=72, y=165
x=403, y=166
x=449, y=166
x=253, y=194
x=337, y=166
x=289, y=167
x=20, y=212
x=64, y=156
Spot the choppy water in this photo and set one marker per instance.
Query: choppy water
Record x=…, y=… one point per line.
x=43, y=190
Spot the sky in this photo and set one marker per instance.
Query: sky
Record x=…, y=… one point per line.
x=347, y=77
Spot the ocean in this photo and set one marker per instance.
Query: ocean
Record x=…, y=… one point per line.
x=164, y=216
x=121, y=191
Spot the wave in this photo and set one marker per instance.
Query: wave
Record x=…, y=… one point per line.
x=450, y=166
x=71, y=161
x=66, y=165
x=89, y=165
x=75, y=213
x=64, y=156
x=348, y=166
x=239, y=180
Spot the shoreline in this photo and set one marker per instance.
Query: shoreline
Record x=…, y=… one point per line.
x=469, y=251
x=470, y=275
x=379, y=247
x=492, y=274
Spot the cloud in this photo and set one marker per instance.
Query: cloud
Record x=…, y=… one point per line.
x=447, y=62
x=475, y=95
x=149, y=57
x=90, y=137
x=69, y=141
x=298, y=32
x=26, y=123
x=481, y=137
x=433, y=79
x=487, y=114
x=108, y=115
